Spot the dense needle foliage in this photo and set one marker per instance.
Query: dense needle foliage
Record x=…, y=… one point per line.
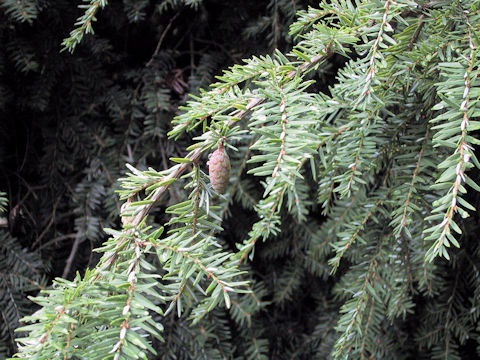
x=348, y=228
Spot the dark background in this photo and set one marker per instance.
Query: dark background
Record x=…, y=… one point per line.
x=70, y=122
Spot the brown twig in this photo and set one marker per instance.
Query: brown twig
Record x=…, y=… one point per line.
x=58, y=238
x=159, y=44
x=192, y=55
x=197, y=200
x=221, y=47
x=282, y=138
x=173, y=194
x=417, y=31
x=50, y=223
x=73, y=252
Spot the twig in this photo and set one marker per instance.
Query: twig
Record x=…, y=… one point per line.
x=417, y=31
x=221, y=47
x=50, y=223
x=58, y=238
x=192, y=56
x=159, y=44
x=282, y=138
x=73, y=252
x=197, y=200
x=165, y=167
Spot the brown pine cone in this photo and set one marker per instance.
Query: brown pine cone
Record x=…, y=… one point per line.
x=219, y=169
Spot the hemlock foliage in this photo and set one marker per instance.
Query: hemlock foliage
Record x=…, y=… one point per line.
x=349, y=226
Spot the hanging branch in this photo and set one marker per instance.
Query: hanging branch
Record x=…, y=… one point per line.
x=83, y=23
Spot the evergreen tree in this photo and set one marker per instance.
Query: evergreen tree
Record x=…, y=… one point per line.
x=352, y=174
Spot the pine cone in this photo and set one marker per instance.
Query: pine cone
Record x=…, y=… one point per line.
x=219, y=169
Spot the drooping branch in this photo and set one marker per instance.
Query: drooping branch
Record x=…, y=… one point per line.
x=177, y=170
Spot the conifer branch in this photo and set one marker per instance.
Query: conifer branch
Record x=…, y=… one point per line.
x=372, y=163
x=132, y=272
x=83, y=23
x=196, y=200
x=270, y=221
x=342, y=246
x=68, y=341
x=367, y=326
x=373, y=52
x=354, y=318
x=455, y=165
x=194, y=156
x=210, y=273
x=355, y=163
x=21, y=10
x=283, y=134
x=411, y=188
